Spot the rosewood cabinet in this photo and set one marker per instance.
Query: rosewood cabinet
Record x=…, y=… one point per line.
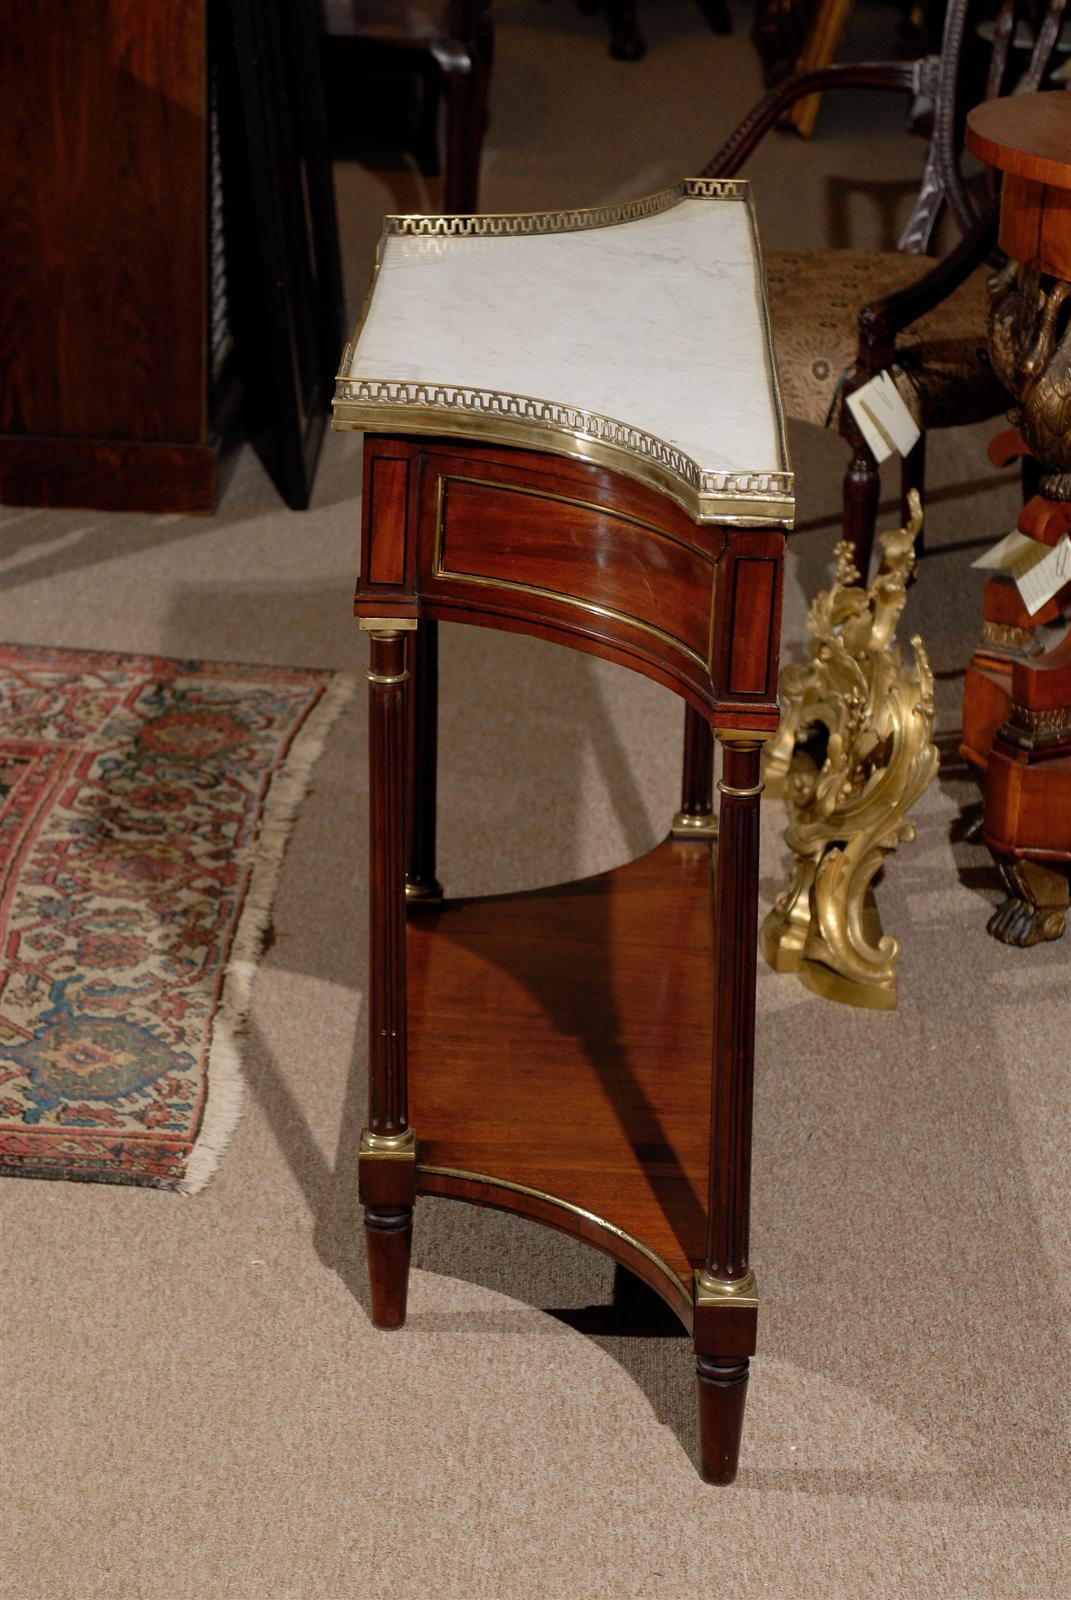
x=580, y=1055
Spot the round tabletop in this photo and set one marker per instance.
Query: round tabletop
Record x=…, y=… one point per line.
x=1026, y=135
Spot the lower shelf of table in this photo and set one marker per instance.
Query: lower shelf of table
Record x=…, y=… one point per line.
x=560, y=1058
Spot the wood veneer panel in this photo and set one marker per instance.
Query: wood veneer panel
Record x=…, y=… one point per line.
x=511, y=537
x=102, y=192
x=561, y=1040
x=752, y=614
x=388, y=485
x=112, y=473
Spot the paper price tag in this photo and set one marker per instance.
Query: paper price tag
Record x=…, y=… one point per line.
x=1046, y=577
x=884, y=421
x=1015, y=553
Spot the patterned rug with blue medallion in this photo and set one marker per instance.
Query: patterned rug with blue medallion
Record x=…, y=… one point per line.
x=144, y=809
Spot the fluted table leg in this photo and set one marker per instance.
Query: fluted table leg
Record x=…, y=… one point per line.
x=421, y=885
x=387, y=1164
x=726, y=1306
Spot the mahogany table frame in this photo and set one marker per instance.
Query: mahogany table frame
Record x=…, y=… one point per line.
x=569, y=551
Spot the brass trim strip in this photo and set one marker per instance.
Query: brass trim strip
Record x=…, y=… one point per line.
x=733, y=498
x=386, y=677
x=740, y=794
x=386, y=625
x=515, y=585
x=576, y=219
x=564, y=1205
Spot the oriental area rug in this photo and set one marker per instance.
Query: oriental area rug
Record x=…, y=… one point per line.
x=144, y=809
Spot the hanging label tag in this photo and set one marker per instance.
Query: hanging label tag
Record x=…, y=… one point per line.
x=884, y=421
x=1046, y=577
x=1015, y=553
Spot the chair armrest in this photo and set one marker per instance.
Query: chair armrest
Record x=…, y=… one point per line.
x=882, y=320
x=899, y=75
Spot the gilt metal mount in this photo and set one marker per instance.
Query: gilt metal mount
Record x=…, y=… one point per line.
x=853, y=754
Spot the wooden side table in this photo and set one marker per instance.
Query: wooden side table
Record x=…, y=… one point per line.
x=1017, y=700
x=574, y=431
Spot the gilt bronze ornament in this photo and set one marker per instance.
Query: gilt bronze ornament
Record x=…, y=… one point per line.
x=852, y=755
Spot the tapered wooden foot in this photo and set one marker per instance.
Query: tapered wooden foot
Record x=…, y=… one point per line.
x=388, y=1234
x=722, y=1391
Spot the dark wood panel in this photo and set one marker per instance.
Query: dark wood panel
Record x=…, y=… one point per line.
x=560, y=1040
x=388, y=489
x=103, y=195
x=752, y=635
x=609, y=567
x=748, y=624
x=112, y=474
x=508, y=537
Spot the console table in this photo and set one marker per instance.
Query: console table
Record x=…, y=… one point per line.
x=574, y=431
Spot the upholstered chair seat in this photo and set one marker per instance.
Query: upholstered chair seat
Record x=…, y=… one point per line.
x=941, y=368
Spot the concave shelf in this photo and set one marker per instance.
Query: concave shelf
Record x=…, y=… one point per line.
x=560, y=1057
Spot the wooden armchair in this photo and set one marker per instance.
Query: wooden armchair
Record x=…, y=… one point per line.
x=457, y=37
x=842, y=316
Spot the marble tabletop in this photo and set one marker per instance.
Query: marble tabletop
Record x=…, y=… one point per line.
x=634, y=335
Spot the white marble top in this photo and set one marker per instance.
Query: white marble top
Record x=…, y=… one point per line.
x=635, y=335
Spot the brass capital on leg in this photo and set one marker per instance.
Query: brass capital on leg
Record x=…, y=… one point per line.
x=388, y=1146
x=712, y=1291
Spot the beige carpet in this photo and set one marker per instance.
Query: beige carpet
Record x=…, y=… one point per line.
x=195, y=1404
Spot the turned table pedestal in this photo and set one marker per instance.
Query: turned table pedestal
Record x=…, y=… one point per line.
x=574, y=431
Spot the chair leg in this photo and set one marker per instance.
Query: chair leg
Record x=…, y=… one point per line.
x=717, y=15
x=862, y=487
x=913, y=476
x=626, y=41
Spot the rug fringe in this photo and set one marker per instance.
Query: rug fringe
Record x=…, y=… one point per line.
x=226, y=1085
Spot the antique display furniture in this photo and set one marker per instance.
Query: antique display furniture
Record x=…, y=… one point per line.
x=1017, y=694
x=573, y=430
x=169, y=254
x=842, y=316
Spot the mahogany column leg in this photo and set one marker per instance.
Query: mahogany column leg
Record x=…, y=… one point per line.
x=696, y=815
x=387, y=1163
x=421, y=885
x=726, y=1306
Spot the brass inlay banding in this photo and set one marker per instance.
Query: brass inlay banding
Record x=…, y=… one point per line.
x=439, y=570
x=386, y=677
x=733, y=497
x=563, y=1205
